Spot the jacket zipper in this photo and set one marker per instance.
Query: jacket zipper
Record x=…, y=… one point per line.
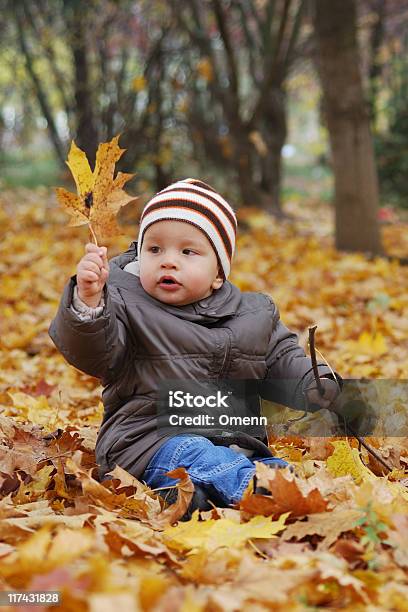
x=226, y=355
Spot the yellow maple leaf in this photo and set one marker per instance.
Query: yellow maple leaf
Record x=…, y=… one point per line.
x=346, y=461
x=81, y=171
x=212, y=534
x=99, y=195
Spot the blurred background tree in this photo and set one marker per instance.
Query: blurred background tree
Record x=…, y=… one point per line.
x=348, y=121
x=387, y=60
x=227, y=90
x=240, y=55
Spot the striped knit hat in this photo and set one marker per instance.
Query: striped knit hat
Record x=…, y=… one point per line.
x=197, y=203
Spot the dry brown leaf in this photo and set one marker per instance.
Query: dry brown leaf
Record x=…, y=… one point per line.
x=126, y=541
x=185, y=492
x=123, y=482
x=329, y=525
x=11, y=460
x=350, y=550
x=286, y=495
x=95, y=491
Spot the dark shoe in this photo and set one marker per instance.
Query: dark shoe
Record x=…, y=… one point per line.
x=198, y=501
x=257, y=489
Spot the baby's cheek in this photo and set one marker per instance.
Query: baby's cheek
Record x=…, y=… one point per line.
x=144, y=280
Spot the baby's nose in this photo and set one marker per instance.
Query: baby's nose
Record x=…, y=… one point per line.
x=169, y=262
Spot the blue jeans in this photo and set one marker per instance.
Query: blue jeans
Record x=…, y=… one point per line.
x=219, y=469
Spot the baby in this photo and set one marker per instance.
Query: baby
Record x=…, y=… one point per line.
x=165, y=311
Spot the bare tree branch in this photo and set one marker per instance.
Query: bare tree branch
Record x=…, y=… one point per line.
x=233, y=69
x=273, y=70
x=251, y=46
x=199, y=36
x=267, y=24
x=60, y=80
x=41, y=95
x=293, y=37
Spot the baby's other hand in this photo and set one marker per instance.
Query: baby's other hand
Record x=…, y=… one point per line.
x=92, y=274
x=316, y=401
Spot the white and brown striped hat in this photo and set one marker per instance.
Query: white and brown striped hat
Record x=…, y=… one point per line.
x=195, y=202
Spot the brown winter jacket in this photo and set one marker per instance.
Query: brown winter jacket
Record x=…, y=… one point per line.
x=139, y=341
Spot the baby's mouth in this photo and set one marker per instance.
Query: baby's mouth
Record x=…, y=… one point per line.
x=168, y=281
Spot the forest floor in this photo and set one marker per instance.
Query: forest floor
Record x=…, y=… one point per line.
x=332, y=536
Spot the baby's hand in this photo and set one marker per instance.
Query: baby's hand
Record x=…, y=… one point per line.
x=92, y=274
x=327, y=400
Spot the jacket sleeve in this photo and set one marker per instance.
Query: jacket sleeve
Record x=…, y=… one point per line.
x=289, y=369
x=95, y=346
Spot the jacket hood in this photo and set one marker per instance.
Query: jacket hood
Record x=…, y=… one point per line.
x=224, y=302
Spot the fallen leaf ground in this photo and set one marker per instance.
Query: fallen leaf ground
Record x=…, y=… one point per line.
x=333, y=536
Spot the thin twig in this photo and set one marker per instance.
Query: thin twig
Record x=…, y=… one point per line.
x=257, y=550
x=321, y=391
x=312, y=331
x=369, y=448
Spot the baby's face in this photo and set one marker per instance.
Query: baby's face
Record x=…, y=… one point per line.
x=182, y=254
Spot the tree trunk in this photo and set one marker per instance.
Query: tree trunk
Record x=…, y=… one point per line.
x=243, y=169
x=271, y=180
x=274, y=135
x=355, y=175
x=78, y=21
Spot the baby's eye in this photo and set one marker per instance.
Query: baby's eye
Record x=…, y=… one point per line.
x=187, y=251
x=154, y=249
